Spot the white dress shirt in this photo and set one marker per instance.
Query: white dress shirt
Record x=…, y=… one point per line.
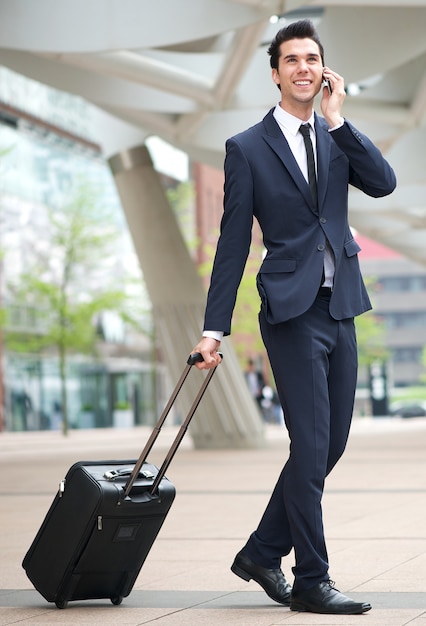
x=290, y=125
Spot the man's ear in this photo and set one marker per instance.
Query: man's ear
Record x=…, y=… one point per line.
x=276, y=78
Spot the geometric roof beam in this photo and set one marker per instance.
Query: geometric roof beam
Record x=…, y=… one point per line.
x=375, y=111
x=145, y=70
x=403, y=240
x=374, y=39
x=155, y=123
x=398, y=221
x=384, y=104
x=398, y=85
x=244, y=45
x=81, y=26
x=393, y=230
x=94, y=87
x=418, y=105
x=407, y=157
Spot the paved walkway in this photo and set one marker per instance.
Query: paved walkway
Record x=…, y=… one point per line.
x=374, y=509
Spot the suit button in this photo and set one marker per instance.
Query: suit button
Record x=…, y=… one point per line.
x=323, y=220
x=321, y=247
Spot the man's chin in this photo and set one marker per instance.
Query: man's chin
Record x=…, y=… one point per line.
x=304, y=98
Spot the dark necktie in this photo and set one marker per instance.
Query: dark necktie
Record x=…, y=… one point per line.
x=304, y=129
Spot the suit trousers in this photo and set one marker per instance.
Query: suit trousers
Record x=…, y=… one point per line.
x=314, y=362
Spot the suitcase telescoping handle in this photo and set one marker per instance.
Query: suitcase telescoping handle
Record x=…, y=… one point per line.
x=196, y=357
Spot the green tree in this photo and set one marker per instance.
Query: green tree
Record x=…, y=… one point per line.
x=69, y=282
x=245, y=317
x=423, y=376
x=181, y=199
x=370, y=331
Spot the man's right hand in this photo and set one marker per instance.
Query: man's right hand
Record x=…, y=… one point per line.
x=208, y=348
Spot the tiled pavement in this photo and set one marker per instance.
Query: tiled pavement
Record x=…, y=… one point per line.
x=374, y=510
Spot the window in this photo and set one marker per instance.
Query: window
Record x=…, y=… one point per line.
x=403, y=283
x=416, y=319
x=409, y=354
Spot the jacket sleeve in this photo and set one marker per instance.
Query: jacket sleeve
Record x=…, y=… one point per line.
x=369, y=170
x=234, y=240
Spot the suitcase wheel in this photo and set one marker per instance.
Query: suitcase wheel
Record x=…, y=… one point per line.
x=117, y=600
x=61, y=604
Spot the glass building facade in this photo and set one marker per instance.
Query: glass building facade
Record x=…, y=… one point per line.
x=46, y=144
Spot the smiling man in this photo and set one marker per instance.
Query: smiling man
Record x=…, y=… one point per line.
x=291, y=172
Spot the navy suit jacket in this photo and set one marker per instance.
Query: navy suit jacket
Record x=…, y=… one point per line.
x=263, y=180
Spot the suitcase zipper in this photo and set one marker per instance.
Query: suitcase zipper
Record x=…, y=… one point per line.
x=99, y=522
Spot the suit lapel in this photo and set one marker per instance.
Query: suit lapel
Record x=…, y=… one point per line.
x=276, y=140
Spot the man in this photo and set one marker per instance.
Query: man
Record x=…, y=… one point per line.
x=310, y=288
x=255, y=381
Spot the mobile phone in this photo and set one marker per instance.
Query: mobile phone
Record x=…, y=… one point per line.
x=328, y=85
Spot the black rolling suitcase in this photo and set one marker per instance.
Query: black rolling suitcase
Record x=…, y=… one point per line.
x=104, y=520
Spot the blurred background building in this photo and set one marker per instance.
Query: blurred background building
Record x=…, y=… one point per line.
x=47, y=142
x=180, y=77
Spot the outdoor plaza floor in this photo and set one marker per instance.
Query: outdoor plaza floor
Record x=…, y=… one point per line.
x=374, y=512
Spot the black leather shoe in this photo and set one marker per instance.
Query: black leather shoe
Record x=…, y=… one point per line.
x=272, y=581
x=325, y=598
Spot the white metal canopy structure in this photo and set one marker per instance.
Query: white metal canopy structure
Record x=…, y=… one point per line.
x=195, y=72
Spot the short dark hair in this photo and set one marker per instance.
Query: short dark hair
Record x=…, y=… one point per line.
x=303, y=29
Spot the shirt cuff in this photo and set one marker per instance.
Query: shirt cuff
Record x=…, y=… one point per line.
x=213, y=334
x=336, y=127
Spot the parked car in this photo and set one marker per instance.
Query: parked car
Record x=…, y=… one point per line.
x=409, y=409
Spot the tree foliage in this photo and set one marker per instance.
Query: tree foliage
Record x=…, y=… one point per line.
x=246, y=337
x=181, y=199
x=69, y=282
x=370, y=331
x=423, y=376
